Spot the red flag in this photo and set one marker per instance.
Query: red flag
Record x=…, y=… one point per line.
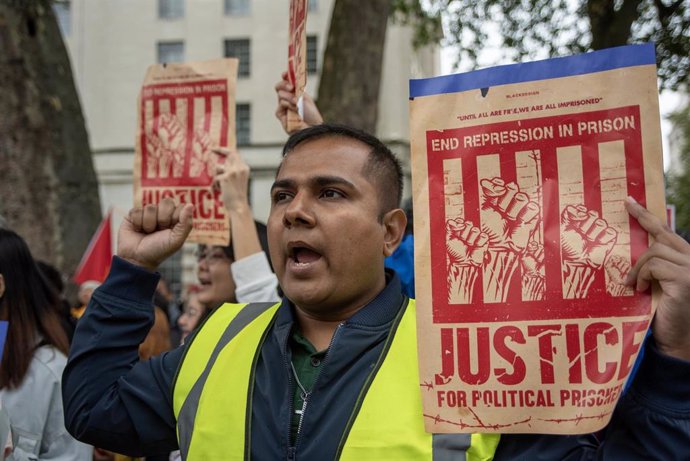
x=95, y=264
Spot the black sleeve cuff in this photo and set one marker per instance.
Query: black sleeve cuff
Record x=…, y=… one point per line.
x=130, y=282
x=663, y=381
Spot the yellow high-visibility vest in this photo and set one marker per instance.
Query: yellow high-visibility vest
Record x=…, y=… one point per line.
x=211, y=392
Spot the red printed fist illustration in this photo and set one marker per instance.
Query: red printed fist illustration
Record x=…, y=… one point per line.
x=153, y=153
x=586, y=241
x=508, y=216
x=167, y=147
x=170, y=132
x=202, y=160
x=533, y=274
x=586, y=238
x=466, y=248
x=466, y=243
x=616, y=269
x=533, y=260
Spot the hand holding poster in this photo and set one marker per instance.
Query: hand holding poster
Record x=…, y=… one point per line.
x=297, y=59
x=185, y=111
x=520, y=175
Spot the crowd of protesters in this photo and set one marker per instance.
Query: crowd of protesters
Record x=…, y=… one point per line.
x=124, y=387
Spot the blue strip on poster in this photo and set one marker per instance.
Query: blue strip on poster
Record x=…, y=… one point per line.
x=3, y=335
x=596, y=61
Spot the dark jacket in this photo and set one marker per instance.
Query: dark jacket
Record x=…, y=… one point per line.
x=114, y=401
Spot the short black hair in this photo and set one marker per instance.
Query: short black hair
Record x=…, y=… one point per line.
x=382, y=164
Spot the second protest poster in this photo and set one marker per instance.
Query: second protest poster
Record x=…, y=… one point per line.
x=522, y=241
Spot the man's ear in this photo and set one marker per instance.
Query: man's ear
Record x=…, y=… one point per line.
x=395, y=222
x=2, y=285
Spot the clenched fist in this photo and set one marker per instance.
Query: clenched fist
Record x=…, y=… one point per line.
x=150, y=234
x=586, y=238
x=508, y=216
x=465, y=243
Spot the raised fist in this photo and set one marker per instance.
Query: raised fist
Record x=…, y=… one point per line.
x=533, y=260
x=201, y=161
x=586, y=241
x=153, y=153
x=586, y=238
x=617, y=269
x=508, y=216
x=150, y=234
x=170, y=132
x=465, y=243
x=533, y=275
x=167, y=147
x=465, y=248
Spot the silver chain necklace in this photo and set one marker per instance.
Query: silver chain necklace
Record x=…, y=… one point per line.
x=304, y=394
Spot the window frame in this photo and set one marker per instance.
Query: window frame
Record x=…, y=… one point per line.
x=312, y=52
x=164, y=43
x=239, y=12
x=176, y=7
x=244, y=69
x=243, y=140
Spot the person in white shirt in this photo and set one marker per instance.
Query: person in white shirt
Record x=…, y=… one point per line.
x=239, y=272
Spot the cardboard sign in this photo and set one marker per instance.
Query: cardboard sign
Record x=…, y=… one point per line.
x=185, y=110
x=523, y=243
x=297, y=59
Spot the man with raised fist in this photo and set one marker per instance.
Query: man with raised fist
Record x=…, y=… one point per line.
x=330, y=372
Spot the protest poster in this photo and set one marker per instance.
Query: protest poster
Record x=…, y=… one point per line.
x=522, y=240
x=184, y=111
x=297, y=59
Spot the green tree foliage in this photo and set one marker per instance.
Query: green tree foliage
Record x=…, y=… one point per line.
x=533, y=29
x=679, y=183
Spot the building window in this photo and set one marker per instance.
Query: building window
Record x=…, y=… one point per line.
x=170, y=9
x=313, y=5
x=243, y=113
x=312, y=54
x=170, y=52
x=63, y=14
x=237, y=7
x=239, y=49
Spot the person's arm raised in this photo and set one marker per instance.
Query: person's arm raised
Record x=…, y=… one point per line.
x=232, y=177
x=287, y=101
x=112, y=399
x=254, y=280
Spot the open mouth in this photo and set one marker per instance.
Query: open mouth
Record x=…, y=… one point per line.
x=302, y=255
